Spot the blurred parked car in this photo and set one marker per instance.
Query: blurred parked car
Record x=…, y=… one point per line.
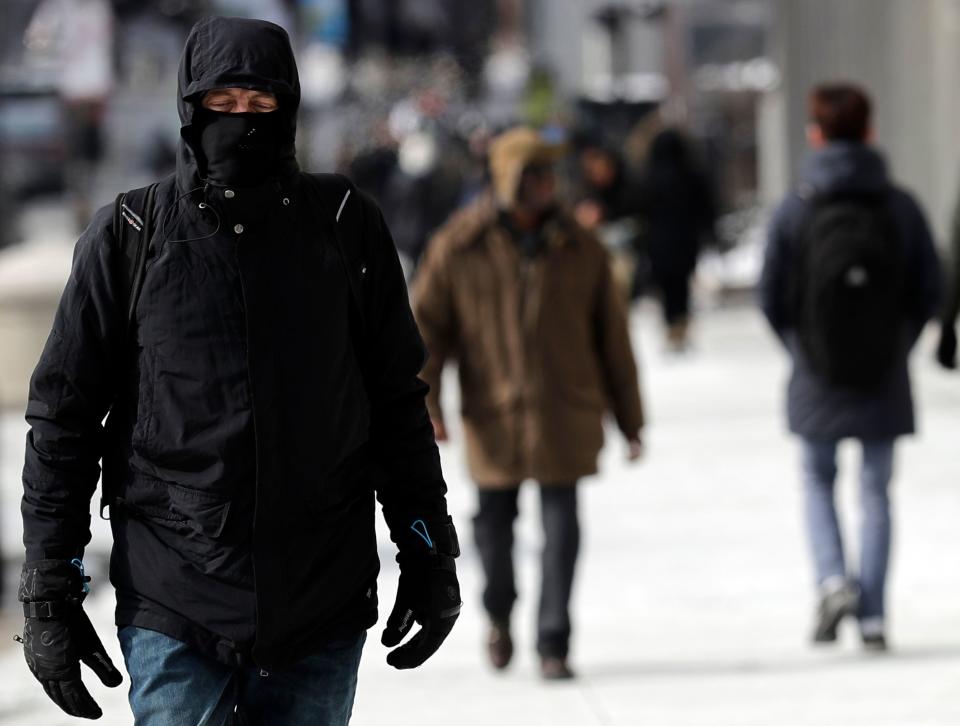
x=32, y=142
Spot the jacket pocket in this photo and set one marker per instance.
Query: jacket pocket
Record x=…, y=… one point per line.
x=193, y=514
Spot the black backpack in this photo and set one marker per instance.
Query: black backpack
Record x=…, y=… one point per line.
x=849, y=287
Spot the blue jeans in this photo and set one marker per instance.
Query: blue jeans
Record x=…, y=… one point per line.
x=171, y=684
x=820, y=473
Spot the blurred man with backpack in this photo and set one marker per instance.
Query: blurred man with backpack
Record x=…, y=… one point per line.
x=850, y=278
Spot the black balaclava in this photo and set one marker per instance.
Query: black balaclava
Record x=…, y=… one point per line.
x=218, y=148
x=240, y=149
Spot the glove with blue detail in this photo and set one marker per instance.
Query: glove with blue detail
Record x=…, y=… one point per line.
x=58, y=635
x=428, y=593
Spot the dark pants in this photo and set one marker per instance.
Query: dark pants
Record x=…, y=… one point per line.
x=493, y=530
x=675, y=290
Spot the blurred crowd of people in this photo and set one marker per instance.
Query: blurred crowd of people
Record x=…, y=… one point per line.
x=411, y=128
x=654, y=214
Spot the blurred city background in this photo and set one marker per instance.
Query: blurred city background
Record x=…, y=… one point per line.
x=694, y=603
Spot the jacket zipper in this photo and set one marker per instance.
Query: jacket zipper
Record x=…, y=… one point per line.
x=256, y=455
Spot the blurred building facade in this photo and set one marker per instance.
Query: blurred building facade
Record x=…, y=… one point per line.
x=906, y=54
x=737, y=73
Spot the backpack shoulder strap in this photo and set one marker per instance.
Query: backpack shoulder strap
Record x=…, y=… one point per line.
x=334, y=190
x=132, y=229
x=338, y=199
x=806, y=191
x=816, y=197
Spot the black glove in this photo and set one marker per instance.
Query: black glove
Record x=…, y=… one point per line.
x=947, y=350
x=428, y=594
x=57, y=635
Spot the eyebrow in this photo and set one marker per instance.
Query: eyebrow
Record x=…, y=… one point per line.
x=222, y=95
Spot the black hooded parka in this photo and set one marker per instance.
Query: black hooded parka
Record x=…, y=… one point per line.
x=257, y=407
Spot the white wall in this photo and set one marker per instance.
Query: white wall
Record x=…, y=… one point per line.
x=907, y=54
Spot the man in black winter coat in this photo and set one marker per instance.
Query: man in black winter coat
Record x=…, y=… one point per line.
x=264, y=394
x=849, y=342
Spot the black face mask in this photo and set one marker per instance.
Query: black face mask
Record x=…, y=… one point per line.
x=242, y=149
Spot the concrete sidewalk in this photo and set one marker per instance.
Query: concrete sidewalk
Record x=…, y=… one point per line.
x=693, y=601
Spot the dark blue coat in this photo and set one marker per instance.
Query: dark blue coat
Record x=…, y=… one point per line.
x=815, y=408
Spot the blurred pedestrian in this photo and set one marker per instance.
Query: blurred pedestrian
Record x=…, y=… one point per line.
x=523, y=298
x=267, y=391
x=417, y=182
x=608, y=206
x=80, y=34
x=678, y=213
x=850, y=278
x=947, y=347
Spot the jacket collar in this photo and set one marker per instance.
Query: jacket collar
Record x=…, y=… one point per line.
x=213, y=208
x=845, y=167
x=189, y=181
x=250, y=205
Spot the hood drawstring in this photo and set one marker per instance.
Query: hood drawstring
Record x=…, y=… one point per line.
x=175, y=205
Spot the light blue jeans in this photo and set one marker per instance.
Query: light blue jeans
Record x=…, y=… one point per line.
x=820, y=473
x=171, y=684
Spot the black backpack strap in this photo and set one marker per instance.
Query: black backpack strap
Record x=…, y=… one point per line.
x=806, y=191
x=338, y=198
x=814, y=197
x=132, y=229
x=339, y=201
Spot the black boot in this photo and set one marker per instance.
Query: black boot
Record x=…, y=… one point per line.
x=553, y=668
x=499, y=644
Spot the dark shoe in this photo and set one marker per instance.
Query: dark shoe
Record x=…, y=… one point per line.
x=499, y=645
x=834, y=606
x=678, y=337
x=555, y=669
x=872, y=634
x=875, y=643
